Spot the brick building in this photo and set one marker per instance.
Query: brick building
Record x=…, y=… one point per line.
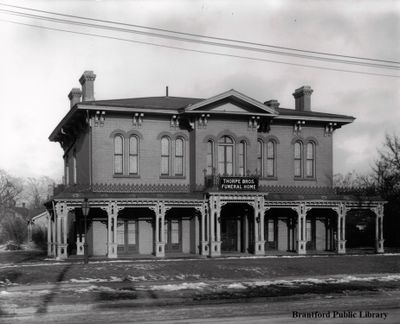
x=226, y=174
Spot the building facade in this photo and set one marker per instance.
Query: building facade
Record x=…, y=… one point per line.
x=227, y=174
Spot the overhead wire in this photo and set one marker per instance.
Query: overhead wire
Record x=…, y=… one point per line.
x=119, y=29
x=198, y=35
x=198, y=51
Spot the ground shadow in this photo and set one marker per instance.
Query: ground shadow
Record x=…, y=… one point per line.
x=48, y=298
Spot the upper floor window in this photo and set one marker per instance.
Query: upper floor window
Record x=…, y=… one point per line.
x=310, y=160
x=260, y=160
x=66, y=171
x=210, y=157
x=74, y=167
x=297, y=159
x=225, y=155
x=271, y=156
x=118, y=154
x=133, y=155
x=178, y=162
x=242, y=158
x=165, y=149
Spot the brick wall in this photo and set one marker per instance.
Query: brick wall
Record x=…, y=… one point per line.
x=195, y=150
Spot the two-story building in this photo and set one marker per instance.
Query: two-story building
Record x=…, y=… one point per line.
x=199, y=176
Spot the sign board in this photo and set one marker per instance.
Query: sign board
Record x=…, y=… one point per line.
x=238, y=183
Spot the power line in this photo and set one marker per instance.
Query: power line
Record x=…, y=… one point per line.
x=201, y=36
x=198, y=51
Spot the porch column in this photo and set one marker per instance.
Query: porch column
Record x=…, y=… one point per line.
x=159, y=239
x=62, y=217
x=80, y=238
x=301, y=211
x=378, y=210
x=259, y=211
x=53, y=236
x=112, y=213
x=49, y=228
x=203, y=240
x=341, y=211
x=215, y=226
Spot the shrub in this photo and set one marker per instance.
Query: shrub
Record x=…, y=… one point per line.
x=39, y=237
x=13, y=228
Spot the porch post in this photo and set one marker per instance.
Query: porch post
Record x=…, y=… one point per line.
x=62, y=215
x=341, y=211
x=53, y=235
x=112, y=215
x=378, y=210
x=203, y=241
x=49, y=228
x=80, y=238
x=259, y=211
x=159, y=239
x=301, y=210
x=215, y=226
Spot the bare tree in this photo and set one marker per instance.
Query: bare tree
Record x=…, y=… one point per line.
x=37, y=190
x=10, y=189
x=387, y=168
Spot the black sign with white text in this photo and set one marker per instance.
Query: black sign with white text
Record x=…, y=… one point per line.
x=238, y=183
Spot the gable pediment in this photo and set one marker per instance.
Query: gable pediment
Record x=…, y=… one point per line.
x=231, y=102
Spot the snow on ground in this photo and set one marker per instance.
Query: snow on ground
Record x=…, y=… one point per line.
x=89, y=280
x=181, y=286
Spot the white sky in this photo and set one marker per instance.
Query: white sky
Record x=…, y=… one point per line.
x=39, y=67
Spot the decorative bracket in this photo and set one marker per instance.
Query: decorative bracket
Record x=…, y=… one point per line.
x=254, y=122
x=137, y=119
x=99, y=118
x=297, y=126
x=203, y=120
x=329, y=128
x=175, y=121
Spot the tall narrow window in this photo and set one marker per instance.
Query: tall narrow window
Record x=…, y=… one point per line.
x=242, y=158
x=310, y=165
x=225, y=156
x=260, y=161
x=297, y=159
x=118, y=154
x=133, y=155
x=179, y=157
x=165, y=156
x=74, y=168
x=271, y=159
x=309, y=231
x=210, y=157
x=66, y=171
x=271, y=230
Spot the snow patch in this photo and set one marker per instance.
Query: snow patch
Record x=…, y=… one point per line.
x=182, y=286
x=236, y=285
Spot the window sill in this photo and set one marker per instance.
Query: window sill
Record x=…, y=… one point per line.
x=305, y=179
x=171, y=177
x=135, y=176
x=269, y=178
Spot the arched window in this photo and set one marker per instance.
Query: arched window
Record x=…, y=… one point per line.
x=225, y=156
x=165, y=156
x=271, y=156
x=210, y=157
x=260, y=160
x=74, y=168
x=118, y=154
x=179, y=157
x=242, y=158
x=310, y=160
x=297, y=159
x=133, y=155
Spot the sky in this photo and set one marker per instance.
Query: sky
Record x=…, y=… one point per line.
x=38, y=67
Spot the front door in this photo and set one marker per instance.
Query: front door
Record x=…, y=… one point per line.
x=173, y=235
x=127, y=236
x=229, y=234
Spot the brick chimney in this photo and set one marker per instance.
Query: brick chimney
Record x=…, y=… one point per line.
x=273, y=103
x=87, y=82
x=75, y=96
x=303, y=98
